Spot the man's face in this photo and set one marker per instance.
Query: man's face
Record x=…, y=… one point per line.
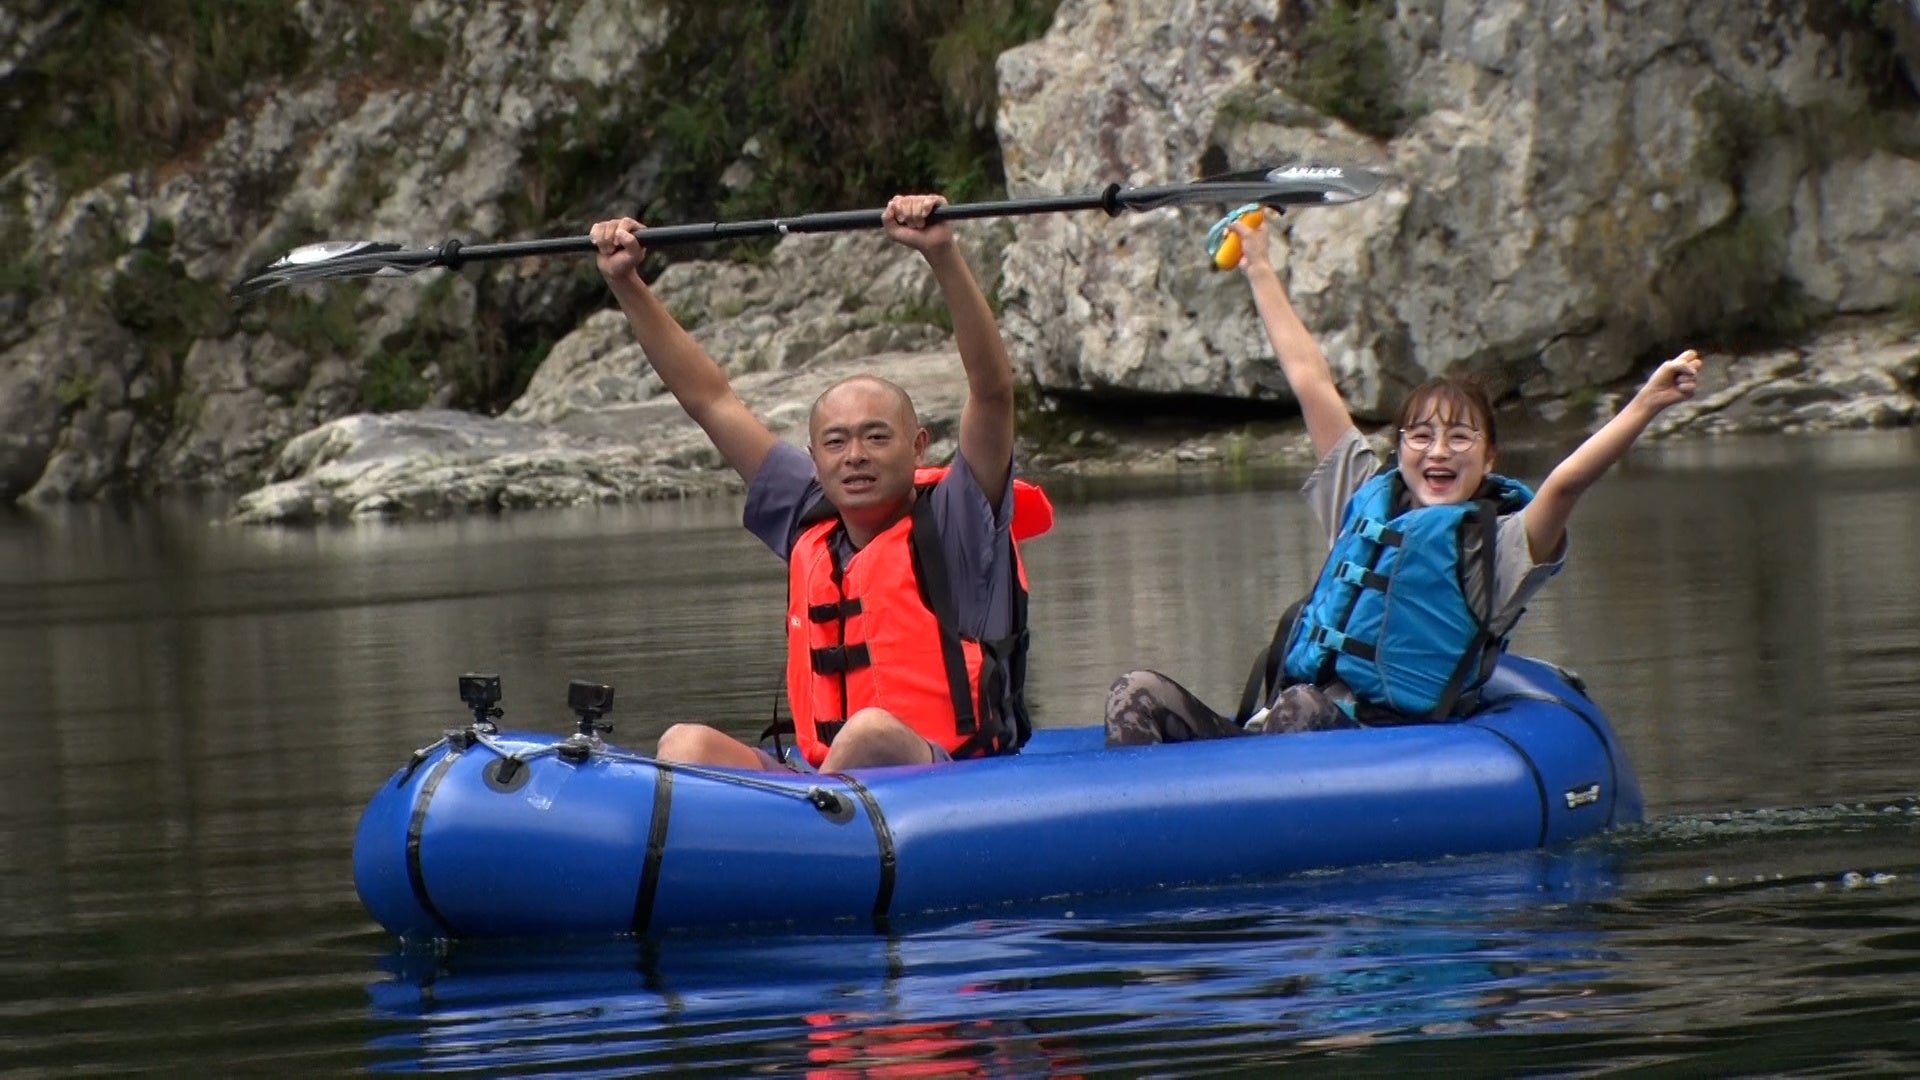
x=865, y=446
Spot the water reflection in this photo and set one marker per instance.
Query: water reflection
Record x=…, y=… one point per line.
x=1479, y=944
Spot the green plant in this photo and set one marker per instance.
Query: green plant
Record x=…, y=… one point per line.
x=168, y=310
x=320, y=325
x=393, y=45
x=1583, y=401
x=76, y=391
x=391, y=380
x=20, y=276
x=1869, y=32
x=1242, y=106
x=837, y=95
x=1346, y=69
x=1729, y=284
x=1909, y=309
x=525, y=358
x=1739, y=124
x=1239, y=443
x=368, y=184
x=921, y=314
x=176, y=70
x=154, y=296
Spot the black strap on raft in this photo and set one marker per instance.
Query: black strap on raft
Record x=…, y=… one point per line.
x=643, y=897
x=416, y=826
x=883, y=842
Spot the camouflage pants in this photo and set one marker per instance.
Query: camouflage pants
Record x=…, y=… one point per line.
x=1146, y=707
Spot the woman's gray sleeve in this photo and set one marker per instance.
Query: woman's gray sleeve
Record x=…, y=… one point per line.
x=1333, y=481
x=1516, y=576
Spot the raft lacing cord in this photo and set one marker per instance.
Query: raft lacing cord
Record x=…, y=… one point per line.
x=821, y=798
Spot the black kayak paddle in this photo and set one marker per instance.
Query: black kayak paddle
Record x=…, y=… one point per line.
x=1282, y=187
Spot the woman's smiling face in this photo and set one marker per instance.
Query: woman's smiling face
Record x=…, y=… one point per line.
x=1445, y=442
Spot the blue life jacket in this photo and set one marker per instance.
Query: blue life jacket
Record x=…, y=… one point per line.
x=1398, y=615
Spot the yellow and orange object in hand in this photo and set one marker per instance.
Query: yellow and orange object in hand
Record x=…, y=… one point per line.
x=1223, y=244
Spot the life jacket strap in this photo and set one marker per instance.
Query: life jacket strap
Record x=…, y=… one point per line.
x=1379, y=533
x=825, y=730
x=1462, y=692
x=840, y=659
x=1334, y=639
x=1354, y=574
x=936, y=591
x=835, y=612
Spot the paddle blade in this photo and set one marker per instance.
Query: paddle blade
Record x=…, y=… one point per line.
x=329, y=259
x=1302, y=184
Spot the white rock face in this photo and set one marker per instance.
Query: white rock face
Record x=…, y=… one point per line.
x=1571, y=168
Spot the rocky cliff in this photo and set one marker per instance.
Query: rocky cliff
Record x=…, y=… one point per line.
x=1573, y=188
x=1576, y=185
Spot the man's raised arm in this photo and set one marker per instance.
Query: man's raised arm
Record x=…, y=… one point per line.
x=689, y=372
x=986, y=421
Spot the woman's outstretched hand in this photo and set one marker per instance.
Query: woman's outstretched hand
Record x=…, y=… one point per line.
x=1672, y=382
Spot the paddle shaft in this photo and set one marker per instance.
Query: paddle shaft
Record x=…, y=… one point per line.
x=708, y=232
x=1303, y=185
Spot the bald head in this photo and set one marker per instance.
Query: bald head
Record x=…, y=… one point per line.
x=902, y=405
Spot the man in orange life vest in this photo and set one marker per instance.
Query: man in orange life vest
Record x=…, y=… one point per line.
x=906, y=620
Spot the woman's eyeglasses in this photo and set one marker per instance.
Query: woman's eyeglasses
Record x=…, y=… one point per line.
x=1421, y=439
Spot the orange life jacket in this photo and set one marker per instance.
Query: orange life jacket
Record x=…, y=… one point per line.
x=883, y=630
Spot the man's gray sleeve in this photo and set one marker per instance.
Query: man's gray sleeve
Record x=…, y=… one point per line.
x=784, y=488
x=975, y=537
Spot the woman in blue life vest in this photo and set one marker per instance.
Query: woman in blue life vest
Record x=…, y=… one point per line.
x=1431, y=560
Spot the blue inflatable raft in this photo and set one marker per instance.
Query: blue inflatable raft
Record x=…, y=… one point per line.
x=487, y=835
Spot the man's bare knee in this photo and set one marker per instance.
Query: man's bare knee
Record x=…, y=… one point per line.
x=698, y=744
x=875, y=737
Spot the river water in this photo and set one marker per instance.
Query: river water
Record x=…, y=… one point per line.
x=200, y=711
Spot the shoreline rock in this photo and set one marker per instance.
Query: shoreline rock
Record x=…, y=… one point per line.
x=636, y=443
